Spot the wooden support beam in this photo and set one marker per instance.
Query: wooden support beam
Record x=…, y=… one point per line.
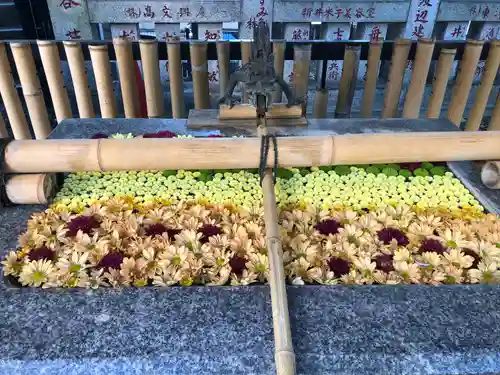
x=247, y=111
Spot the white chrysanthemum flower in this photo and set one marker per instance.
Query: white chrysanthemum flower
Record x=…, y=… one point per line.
x=408, y=271
x=485, y=273
x=76, y=264
x=36, y=273
x=12, y=265
x=457, y=258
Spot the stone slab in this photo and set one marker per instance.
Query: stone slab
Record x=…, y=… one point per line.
x=386, y=330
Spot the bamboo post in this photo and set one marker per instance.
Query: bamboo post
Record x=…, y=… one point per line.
x=31, y=188
x=396, y=75
x=483, y=93
x=462, y=88
x=495, y=116
x=126, y=70
x=78, y=72
x=49, y=54
x=102, y=72
x=175, y=76
x=199, y=66
x=151, y=71
x=246, y=49
x=301, y=67
x=77, y=155
x=374, y=54
x=348, y=80
x=3, y=128
x=279, y=66
x=415, y=93
x=32, y=90
x=223, y=60
x=440, y=83
x=320, y=103
x=490, y=174
x=11, y=99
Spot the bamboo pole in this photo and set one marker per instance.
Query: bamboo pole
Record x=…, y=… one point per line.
x=440, y=83
x=348, y=80
x=3, y=128
x=490, y=174
x=415, y=93
x=223, y=60
x=78, y=72
x=374, y=54
x=158, y=154
x=102, y=72
x=175, y=76
x=32, y=91
x=279, y=66
x=483, y=93
x=49, y=54
x=462, y=88
x=199, y=66
x=396, y=75
x=151, y=72
x=11, y=99
x=126, y=70
x=301, y=67
x=246, y=49
x=495, y=116
x=320, y=103
x=31, y=188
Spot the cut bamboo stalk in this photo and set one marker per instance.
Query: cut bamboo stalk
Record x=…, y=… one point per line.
x=247, y=111
x=396, y=75
x=3, y=128
x=32, y=91
x=348, y=80
x=223, y=60
x=11, y=99
x=490, y=174
x=415, y=93
x=31, y=188
x=126, y=70
x=246, y=50
x=199, y=66
x=102, y=72
x=495, y=116
x=320, y=103
x=78, y=72
x=279, y=66
x=151, y=72
x=491, y=69
x=175, y=76
x=462, y=88
x=440, y=84
x=374, y=54
x=49, y=54
x=301, y=67
x=227, y=153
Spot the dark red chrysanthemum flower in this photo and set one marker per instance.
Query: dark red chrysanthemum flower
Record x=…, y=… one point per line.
x=40, y=253
x=328, y=226
x=215, y=136
x=384, y=262
x=430, y=244
x=99, y=136
x=208, y=230
x=111, y=260
x=386, y=235
x=159, y=229
x=84, y=223
x=238, y=264
x=338, y=266
x=160, y=134
x=410, y=166
x=474, y=255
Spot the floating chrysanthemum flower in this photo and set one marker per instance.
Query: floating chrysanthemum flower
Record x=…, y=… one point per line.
x=384, y=262
x=238, y=264
x=36, y=273
x=476, y=258
x=40, y=253
x=433, y=245
x=207, y=231
x=111, y=260
x=12, y=264
x=485, y=273
x=84, y=223
x=327, y=227
x=158, y=229
x=99, y=136
x=160, y=134
x=386, y=235
x=338, y=266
